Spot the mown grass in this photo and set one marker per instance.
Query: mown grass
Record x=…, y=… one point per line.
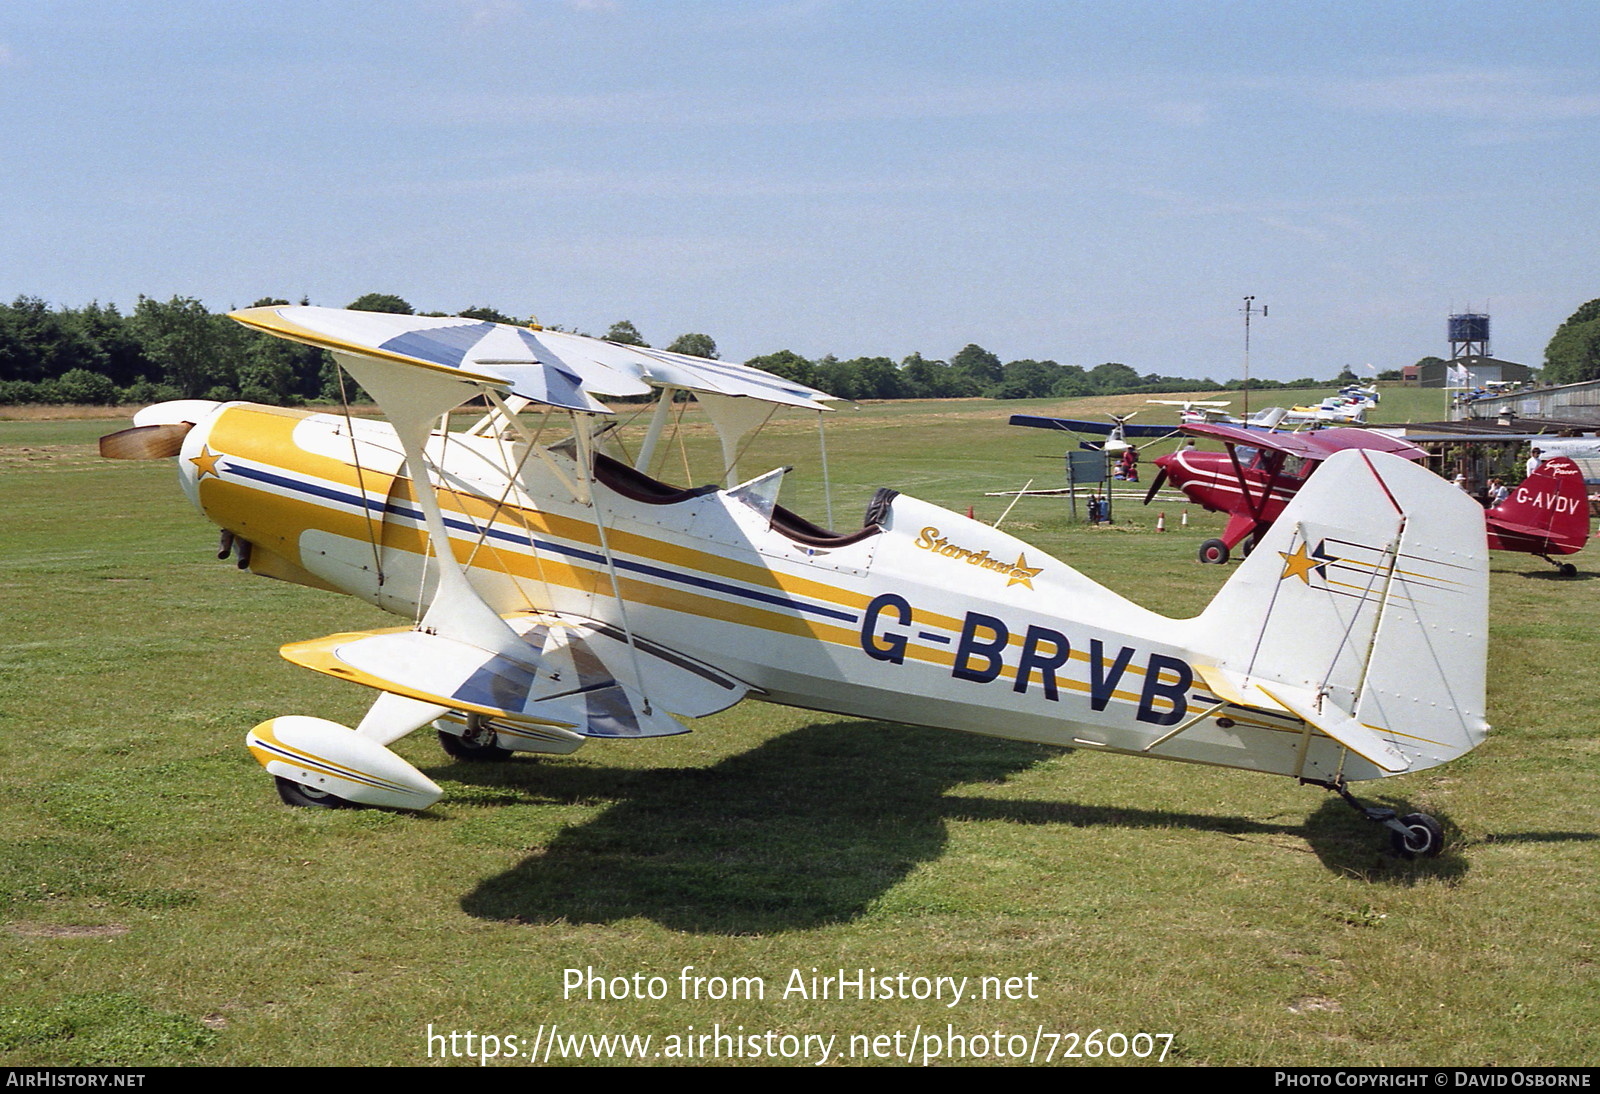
x=158, y=906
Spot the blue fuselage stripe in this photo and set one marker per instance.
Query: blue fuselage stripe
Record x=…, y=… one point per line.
x=367, y=504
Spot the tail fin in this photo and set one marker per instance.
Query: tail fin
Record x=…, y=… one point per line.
x=1547, y=514
x=1362, y=612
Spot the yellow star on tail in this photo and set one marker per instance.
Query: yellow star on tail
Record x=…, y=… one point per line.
x=1302, y=562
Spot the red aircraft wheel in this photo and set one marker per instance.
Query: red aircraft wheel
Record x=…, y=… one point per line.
x=1214, y=550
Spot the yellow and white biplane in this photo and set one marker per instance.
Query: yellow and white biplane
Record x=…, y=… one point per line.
x=557, y=593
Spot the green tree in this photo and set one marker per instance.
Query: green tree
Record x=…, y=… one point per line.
x=625, y=333
x=380, y=301
x=1072, y=383
x=978, y=365
x=83, y=387
x=788, y=364
x=194, y=350
x=838, y=378
x=1113, y=376
x=875, y=378
x=1028, y=379
x=925, y=379
x=36, y=343
x=488, y=315
x=117, y=353
x=1573, y=353
x=695, y=345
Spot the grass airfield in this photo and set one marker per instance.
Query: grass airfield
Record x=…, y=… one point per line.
x=159, y=906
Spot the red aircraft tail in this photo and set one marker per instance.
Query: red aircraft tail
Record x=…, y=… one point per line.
x=1547, y=515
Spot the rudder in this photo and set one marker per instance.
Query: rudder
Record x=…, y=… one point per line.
x=1364, y=612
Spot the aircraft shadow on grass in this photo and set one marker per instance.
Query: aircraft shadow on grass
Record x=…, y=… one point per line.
x=810, y=829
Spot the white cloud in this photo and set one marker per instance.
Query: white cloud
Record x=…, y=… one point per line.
x=1491, y=95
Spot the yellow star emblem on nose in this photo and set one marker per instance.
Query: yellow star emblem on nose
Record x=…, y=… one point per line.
x=206, y=462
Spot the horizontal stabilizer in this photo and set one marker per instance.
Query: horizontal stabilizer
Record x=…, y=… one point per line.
x=1342, y=727
x=574, y=672
x=1243, y=691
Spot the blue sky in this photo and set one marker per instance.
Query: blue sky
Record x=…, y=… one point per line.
x=1083, y=182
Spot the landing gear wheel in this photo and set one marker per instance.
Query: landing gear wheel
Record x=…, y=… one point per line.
x=1567, y=569
x=1214, y=551
x=1423, y=837
x=308, y=797
x=478, y=748
x=1248, y=545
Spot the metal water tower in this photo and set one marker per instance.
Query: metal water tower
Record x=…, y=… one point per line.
x=1469, y=335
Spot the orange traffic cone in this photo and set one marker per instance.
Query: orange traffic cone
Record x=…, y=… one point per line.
x=1161, y=522
x=969, y=513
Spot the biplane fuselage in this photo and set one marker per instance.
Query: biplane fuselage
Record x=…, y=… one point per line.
x=555, y=594
x=925, y=617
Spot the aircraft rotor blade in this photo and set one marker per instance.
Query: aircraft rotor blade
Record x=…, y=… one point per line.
x=145, y=442
x=1160, y=481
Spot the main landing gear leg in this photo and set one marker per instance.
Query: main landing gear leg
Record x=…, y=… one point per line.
x=1415, y=835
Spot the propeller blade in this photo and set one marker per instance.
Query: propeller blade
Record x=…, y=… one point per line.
x=145, y=442
x=1160, y=480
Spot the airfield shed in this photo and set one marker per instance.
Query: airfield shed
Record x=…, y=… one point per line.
x=1482, y=369
x=1567, y=405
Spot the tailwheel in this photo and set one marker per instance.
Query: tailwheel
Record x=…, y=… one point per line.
x=1214, y=551
x=308, y=797
x=1423, y=837
x=1565, y=569
x=1415, y=835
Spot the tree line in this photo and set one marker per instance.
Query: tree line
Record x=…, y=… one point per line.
x=178, y=349
x=1573, y=354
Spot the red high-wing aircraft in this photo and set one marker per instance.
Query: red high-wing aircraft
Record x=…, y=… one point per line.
x=1547, y=515
x=1261, y=470
x=1255, y=478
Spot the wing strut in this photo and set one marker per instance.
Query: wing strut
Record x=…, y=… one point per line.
x=585, y=443
x=412, y=401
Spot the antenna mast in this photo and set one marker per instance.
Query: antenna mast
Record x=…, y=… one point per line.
x=1249, y=309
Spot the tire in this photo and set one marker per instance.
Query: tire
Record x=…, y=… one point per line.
x=1214, y=551
x=1567, y=569
x=306, y=797
x=460, y=748
x=1423, y=838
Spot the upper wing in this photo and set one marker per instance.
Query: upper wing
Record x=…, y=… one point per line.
x=1312, y=446
x=550, y=367
x=1075, y=425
